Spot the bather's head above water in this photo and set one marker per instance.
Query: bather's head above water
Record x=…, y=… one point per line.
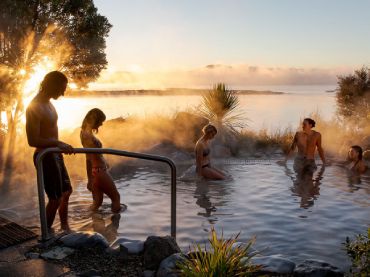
x=355, y=153
x=93, y=120
x=308, y=124
x=209, y=131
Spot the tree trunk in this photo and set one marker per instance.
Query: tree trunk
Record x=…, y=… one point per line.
x=10, y=143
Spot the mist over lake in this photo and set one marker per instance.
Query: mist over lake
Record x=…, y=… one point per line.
x=270, y=111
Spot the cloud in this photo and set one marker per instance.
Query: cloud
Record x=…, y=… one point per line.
x=236, y=75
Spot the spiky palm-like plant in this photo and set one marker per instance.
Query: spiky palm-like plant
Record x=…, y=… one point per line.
x=220, y=105
x=223, y=259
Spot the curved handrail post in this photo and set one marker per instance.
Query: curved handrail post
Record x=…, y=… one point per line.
x=40, y=179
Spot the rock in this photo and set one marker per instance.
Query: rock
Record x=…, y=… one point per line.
x=84, y=239
x=220, y=151
x=57, y=253
x=32, y=255
x=89, y=273
x=170, y=150
x=157, y=249
x=112, y=251
x=123, y=252
x=276, y=264
x=148, y=273
x=228, y=140
x=168, y=268
x=133, y=247
x=315, y=268
x=279, y=152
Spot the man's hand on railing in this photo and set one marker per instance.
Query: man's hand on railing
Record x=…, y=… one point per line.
x=68, y=149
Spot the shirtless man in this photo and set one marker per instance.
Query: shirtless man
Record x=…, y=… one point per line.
x=42, y=132
x=306, y=141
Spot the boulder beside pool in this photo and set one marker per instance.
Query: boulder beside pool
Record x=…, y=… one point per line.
x=84, y=239
x=168, y=267
x=132, y=246
x=157, y=249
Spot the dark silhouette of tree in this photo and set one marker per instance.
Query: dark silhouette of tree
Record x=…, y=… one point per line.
x=77, y=20
x=70, y=32
x=353, y=97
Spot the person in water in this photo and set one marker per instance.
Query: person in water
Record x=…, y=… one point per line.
x=357, y=165
x=307, y=141
x=42, y=132
x=99, y=180
x=202, y=154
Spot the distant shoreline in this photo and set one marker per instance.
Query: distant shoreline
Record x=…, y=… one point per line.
x=157, y=92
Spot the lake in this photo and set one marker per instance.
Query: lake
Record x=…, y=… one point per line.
x=261, y=111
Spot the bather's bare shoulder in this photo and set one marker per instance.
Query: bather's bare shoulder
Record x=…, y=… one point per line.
x=317, y=134
x=33, y=109
x=299, y=133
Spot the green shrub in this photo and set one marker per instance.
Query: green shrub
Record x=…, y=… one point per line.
x=358, y=250
x=353, y=96
x=219, y=105
x=222, y=259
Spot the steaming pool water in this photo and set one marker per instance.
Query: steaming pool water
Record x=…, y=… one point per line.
x=307, y=219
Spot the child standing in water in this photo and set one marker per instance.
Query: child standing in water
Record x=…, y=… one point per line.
x=99, y=180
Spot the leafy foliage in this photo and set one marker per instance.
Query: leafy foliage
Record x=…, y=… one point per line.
x=359, y=252
x=353, y=96
x=219, y=106
x=223, y=259
x=24, y=24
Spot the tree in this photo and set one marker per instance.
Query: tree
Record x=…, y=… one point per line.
x=353, y=97
x=39, y=35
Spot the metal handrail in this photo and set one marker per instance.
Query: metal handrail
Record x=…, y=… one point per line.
x=40, y=179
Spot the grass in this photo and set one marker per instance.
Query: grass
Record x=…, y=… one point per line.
x=358, y=250
x=264, y=139
x=222, y=259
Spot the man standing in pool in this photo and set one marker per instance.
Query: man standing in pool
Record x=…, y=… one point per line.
x=306, y=141
x=42, y=132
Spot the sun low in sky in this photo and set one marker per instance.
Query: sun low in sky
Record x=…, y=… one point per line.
x=193, y=43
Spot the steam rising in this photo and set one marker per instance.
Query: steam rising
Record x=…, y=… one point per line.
x=238, y=75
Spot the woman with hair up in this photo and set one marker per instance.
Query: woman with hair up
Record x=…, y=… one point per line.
x=357, y=165
x=99, y=180
x=202, y=153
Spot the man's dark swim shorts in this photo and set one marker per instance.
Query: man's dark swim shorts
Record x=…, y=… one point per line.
x=56, y=178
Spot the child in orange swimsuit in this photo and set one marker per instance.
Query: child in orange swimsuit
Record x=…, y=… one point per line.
x=99, y=180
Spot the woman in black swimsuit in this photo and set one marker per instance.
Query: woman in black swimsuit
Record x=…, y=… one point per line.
x=357, y=165
x=99, y=180
x=202, y=152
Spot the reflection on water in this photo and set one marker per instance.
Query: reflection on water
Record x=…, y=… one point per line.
x=302, y=217
x=305, y=185
x=108, y=229
x=209, y=196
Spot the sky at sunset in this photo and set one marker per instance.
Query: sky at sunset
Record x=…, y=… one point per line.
x=163, y=43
